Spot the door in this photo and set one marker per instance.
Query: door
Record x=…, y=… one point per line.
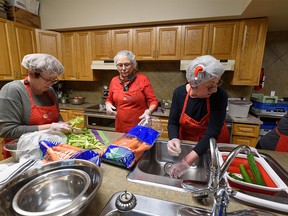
x=25, y=39
x=121, y=40
x=49, y=42
x=194, y=40
x=144, y=43
x=101, y=45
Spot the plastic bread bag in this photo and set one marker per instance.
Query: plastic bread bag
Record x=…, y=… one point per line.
x=54, y=151
x=127, y=150
x=29, y=141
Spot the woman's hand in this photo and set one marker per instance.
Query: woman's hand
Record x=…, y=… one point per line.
x=178, y=169
x=146, y=114
x=110, y=109
x=173, y=147
x=64, y=127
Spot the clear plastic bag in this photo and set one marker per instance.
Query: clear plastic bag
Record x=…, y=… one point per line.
x=29, y=141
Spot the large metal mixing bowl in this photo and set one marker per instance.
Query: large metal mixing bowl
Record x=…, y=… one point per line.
x=52, y=193
x=7, y=194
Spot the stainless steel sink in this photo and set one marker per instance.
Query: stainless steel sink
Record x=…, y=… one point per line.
x=146, y=206
x=150, y=168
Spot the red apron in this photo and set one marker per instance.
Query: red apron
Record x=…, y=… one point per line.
x=130, y=106
x=190, y=129
x=282, y=144
x=39, y=115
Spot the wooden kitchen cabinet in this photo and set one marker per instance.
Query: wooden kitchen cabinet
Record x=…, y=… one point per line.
x=157, y=43
x=77, y=56
x=26, y=44
x=49, y=42
x=9, y=60
x=245, y=134
x=250, y=52
x=68, y=115
x=160, y=124
x=218, y=39
x=107, y=43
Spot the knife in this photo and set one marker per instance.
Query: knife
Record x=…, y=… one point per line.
x=280, y=196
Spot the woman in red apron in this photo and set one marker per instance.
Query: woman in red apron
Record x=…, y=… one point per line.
x=131, y=97
x=276, y=139
x=198, y=112
x=24, y=114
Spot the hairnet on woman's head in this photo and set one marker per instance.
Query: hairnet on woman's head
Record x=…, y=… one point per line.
x=128, y=54
x=203, y=69
x=43, y=63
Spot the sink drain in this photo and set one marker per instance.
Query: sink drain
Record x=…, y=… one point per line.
x=126, y=201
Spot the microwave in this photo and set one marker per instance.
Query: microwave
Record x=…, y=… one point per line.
x=100, y=121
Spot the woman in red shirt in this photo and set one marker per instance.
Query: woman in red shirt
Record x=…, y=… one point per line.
x=131, y=96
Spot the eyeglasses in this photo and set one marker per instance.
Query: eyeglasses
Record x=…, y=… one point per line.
x=50, y=81
x=126, y=65
x=215, y=86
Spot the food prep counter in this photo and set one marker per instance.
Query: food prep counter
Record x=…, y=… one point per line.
x=114, y=180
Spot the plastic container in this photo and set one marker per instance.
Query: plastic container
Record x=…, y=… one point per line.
x=239, y=108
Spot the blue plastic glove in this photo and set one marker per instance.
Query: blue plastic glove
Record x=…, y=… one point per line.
x=178, y=169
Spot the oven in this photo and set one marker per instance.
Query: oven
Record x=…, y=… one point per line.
x=96, y=118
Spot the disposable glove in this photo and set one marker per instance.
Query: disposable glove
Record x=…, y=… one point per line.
x=110, y=109
x=64, y=127
x=178, y=169
x=146, y=114
x=173, y=147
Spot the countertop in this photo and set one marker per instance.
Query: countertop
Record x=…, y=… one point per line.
x=76, y=107
x=114, y=180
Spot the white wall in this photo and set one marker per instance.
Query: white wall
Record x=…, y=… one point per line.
x=65, y=14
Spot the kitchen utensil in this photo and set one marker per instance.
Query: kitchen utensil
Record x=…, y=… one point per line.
x=64, y=100
x=51, y=193
x=94, y=172
x=77, y=100
x=239, y=108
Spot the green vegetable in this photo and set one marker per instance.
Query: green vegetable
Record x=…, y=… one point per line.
x=86, y=140
x=254, y=169
x=76, y=121
x=233, y=175
x=245, y=174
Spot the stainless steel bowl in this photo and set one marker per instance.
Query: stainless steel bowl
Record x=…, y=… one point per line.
x=77, y=100
x=52, y=193
x=7, y=194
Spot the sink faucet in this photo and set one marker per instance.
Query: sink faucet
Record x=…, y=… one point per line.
x=220, y=194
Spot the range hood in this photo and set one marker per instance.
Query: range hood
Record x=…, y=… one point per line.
x=103, y=65
x=228, y=64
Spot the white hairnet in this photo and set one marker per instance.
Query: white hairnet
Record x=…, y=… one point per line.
x=43, y=64
x=128, y=54
x=203, y=69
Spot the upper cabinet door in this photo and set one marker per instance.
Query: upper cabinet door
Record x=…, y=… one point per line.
x=9, y=59
x=168, y=43
x=49, y=42
x=25, y=39
x=194, y=40
x=121, y=40
x=144, y=43
x=69, y=60
x=250, y=52
x=84, y=56
x=223, y=38
x=101, y=45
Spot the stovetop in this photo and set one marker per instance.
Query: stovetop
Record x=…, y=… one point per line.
x=96, y=108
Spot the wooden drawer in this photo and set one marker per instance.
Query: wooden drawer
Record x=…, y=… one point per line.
x=244, y=140
x=246, y=130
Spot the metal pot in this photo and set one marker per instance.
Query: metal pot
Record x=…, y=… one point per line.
x=77, y=100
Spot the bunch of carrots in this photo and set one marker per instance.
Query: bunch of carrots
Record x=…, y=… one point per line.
x=134, y=144
x=59, y=152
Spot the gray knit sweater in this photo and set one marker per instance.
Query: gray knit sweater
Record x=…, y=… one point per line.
x=15, y=109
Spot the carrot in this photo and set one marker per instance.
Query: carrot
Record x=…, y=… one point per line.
x=50, y=151
x=70, y=147
x=63, y=149
x=133, y=144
